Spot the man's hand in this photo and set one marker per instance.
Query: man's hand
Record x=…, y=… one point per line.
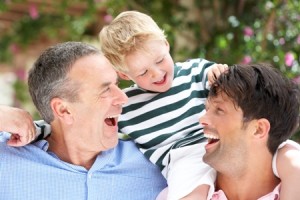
x=19, y=123
x=215, y=72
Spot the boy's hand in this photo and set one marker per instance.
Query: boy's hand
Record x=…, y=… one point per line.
x=215, y=72
x=19, y=123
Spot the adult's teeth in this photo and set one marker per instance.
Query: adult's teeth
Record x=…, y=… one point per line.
x=114, y=116
x=210, y=136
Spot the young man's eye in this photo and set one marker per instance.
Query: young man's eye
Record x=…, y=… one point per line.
x=219, y=110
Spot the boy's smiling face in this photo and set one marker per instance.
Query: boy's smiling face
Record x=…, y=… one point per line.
x=151, y=68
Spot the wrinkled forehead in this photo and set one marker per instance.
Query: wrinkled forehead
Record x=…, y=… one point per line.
x=95, y=67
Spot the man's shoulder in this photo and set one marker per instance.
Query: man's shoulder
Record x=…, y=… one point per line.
x=29, y=152
x=125, y=143
x=129, y=155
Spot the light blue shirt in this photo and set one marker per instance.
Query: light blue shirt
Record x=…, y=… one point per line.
x=30, y=173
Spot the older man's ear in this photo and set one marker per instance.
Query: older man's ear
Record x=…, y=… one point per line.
x=61, y=110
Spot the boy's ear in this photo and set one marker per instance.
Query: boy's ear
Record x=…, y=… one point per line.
x=61, y=110
x=168, y=45
x=262, y=128
x=123, y=76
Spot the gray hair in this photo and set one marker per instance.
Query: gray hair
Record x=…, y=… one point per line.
x=48, y=76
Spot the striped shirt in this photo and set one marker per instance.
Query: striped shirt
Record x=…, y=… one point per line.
x=32, y=172
x=158, y=122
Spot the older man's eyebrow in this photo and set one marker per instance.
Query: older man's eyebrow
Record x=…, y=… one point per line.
x=108, y=83
x=105, y=84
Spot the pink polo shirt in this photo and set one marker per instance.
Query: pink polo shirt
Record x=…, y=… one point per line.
x=274, y=195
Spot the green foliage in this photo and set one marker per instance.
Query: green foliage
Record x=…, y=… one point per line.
x=50, y=25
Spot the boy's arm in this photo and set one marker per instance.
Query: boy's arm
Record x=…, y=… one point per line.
x=20, y=123
x=288, y=166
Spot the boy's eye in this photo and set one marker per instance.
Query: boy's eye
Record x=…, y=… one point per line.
x=160, y=61
x=144, y=73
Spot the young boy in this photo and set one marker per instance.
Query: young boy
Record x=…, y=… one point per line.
x=164, y=106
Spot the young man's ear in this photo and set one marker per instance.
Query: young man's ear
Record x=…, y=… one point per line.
x=123, y=76
x=61, y=110
x=262, y=128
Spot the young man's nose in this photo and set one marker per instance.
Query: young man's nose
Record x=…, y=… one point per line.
x=203, y=120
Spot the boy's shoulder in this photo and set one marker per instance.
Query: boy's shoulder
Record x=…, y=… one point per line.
x=193, y=63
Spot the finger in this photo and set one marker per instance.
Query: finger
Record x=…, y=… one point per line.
x=222, y=67
x=15, y=141
x=32, y=136
x=217, y=72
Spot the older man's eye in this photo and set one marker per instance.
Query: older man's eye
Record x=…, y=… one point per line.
x=107, y=89
x=104, y=92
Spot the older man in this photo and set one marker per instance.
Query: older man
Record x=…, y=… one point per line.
x=75, y=89
x=251, y=110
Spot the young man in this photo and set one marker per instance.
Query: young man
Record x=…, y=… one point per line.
x=75, y=89
x=250, y=111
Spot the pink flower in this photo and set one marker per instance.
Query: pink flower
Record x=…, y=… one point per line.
x=21, y=74
x=289, y=59
x=107, y=18
x=248, y=31
x=298, y=39
x=246, y=60
x=282, y=41
x=14, y=48
x=33, y=11
x=296, y=80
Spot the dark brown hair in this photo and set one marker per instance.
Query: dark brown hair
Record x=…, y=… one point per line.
x=261, y=91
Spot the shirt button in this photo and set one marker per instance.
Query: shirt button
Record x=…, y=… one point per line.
x=90, y=175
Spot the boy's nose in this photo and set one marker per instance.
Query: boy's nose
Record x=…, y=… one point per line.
x=155, y=72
